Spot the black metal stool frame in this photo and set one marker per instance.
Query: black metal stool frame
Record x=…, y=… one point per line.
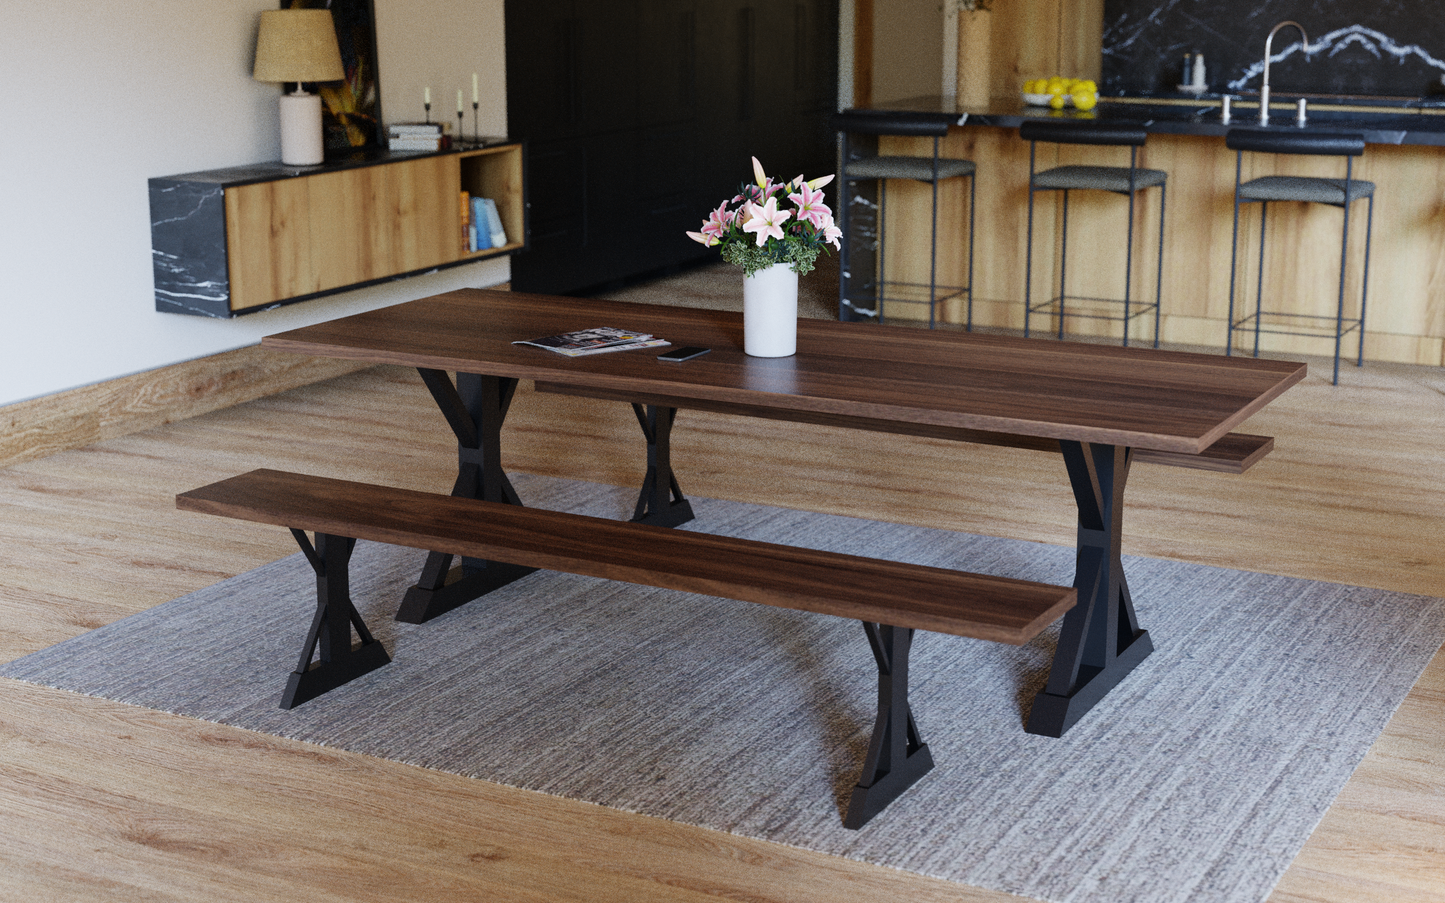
x=1074, y=133
x=1306, y=143
x=878, y=123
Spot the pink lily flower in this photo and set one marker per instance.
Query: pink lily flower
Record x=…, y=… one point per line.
x=718, y=222
x=766, y=185
x=760, y=174
x=810, y=205
x=704, y=240
x=821, y=181
x=765, y=221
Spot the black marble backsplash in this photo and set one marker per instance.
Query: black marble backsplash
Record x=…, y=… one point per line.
x=1356, y=47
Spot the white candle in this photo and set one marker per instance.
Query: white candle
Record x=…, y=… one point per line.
x=475, y=96
x=426, y=96
x=459, y=100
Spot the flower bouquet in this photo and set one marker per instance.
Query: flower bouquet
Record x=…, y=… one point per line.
x=757, y=230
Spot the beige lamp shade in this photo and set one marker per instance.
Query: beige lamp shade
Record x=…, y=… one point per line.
x=297, y=45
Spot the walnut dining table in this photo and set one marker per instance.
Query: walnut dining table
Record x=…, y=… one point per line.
x=1102, y=408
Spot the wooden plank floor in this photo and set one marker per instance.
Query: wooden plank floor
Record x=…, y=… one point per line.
x=108, y=802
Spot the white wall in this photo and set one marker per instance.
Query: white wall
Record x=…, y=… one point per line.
x=96, y=97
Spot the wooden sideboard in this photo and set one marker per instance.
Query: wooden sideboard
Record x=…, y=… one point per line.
x=235, y=241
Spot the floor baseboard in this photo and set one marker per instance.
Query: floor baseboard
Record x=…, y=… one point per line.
x=79, y=417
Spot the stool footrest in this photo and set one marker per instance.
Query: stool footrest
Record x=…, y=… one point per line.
x=1321, y=326
x=907, y=292
x=1071, y=307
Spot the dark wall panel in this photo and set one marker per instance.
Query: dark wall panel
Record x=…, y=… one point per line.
x=641, y=116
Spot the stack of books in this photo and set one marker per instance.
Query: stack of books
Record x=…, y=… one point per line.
x=482, y=227
x=417, y=136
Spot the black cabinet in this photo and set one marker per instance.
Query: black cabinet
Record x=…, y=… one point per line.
x=642, y=115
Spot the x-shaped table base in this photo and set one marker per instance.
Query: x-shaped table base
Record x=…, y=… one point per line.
x=474, y=408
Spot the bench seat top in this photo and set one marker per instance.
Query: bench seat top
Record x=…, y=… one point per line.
x=903, y=595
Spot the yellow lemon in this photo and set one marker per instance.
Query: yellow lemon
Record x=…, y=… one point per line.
x=1056, y=101
x=1085, y=100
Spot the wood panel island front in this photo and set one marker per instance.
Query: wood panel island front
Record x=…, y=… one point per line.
x=1404, y=158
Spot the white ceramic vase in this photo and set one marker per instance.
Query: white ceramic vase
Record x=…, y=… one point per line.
x=770, y=312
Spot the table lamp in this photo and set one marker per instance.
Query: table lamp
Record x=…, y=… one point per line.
x=299, y=45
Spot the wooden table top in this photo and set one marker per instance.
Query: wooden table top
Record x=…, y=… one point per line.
x=1139, y=397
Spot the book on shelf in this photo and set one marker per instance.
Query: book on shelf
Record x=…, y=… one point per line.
x=598, y=340
x=416, y=144
x=494, y=224
x=482, y=238
x=469, y=238
x=418, y=128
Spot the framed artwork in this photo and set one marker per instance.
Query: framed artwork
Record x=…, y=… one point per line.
x=350, y=109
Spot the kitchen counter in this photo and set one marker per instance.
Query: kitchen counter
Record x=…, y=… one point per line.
x=1406, y=318
x=1413, y=122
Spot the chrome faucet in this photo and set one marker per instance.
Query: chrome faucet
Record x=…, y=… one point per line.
x=1264, y=84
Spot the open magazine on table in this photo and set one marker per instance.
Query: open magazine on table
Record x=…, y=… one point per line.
x=597, y=340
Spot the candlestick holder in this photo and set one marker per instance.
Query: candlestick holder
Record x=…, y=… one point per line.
x=428, y=112
x=477, y=138
x=459, y=138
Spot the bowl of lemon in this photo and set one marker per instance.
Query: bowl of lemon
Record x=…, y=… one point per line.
x=1058, y=92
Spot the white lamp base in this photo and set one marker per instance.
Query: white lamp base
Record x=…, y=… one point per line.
x=301, y=143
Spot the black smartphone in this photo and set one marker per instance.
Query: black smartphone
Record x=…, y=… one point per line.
x=683, y=354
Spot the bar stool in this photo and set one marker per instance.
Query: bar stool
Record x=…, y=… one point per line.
x=866, y=281
x=1340, y=193
x=1126, y=180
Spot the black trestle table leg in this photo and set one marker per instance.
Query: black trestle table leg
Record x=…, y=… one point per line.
x=474, y=408
x=897, y=756
x=661, y=502
x=1101, y=641
x=337, y=661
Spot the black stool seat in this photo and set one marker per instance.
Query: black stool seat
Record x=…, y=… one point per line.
x=1336, y=192
x=918, y=168
x=1100, y=178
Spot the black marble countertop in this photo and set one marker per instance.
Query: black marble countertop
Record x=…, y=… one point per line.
x=1380, y=121
x=232, y=176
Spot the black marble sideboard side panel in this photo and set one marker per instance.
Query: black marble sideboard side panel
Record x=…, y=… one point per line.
x=1392, y=48
x=188, y=248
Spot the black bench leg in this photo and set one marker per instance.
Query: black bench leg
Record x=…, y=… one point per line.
x=661, y=502
x=1101, y=641
x=338, y=661
x=474, y=408
x=897, y=756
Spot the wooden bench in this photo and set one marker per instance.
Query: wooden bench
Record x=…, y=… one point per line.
x=891, y=599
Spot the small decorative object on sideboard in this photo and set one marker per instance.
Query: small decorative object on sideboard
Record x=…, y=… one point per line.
x=774, y=246
x=410, y=137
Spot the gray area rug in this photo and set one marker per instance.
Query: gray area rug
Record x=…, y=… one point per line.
x=1198, y=779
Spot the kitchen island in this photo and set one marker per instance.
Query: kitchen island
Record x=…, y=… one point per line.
x=1406, y=318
